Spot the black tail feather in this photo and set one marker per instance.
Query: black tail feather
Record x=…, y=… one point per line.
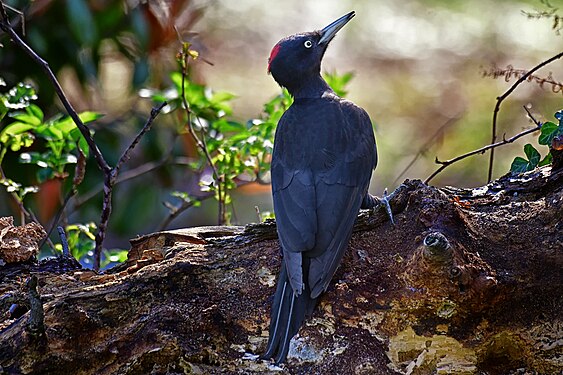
x=287, y=315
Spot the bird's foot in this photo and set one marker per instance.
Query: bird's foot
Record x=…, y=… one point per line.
x=374, y=203
x=385, y=202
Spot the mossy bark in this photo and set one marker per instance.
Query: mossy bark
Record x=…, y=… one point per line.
x=468, y=281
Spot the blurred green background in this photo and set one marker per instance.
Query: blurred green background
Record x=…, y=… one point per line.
x=418, y=71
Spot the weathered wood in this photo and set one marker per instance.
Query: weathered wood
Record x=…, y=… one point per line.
x=468, y=281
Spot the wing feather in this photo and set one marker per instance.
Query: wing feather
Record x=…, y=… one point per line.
x=321, y=169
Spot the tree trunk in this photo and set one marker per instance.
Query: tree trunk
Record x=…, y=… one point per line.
x=468, y=281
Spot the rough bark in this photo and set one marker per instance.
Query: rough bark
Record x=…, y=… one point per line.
x=468, y=281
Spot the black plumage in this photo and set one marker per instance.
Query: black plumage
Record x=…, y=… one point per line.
x=324, y=155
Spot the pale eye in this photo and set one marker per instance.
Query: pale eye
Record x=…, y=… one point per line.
x=308, y=44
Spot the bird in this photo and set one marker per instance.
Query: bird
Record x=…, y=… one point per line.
x=322, y=162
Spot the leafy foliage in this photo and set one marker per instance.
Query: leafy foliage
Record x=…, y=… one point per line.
x=60, y=136
x=49, y=144
x=549, y=131
x=240, y=151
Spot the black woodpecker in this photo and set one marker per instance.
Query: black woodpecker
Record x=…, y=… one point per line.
x=324, y=155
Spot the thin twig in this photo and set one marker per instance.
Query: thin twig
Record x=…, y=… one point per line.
x=201, y=144
x=538, y=124
x=55, y=221
x=125, y=156
x=446, y=163
x=501, y=98
x=176, y=211
x=110, y=179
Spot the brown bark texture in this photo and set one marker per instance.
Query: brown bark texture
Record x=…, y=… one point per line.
x=467, y=281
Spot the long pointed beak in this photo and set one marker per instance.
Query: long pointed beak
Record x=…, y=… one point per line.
x=330, y=31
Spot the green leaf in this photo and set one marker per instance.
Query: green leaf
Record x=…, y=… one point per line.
x=114, y=256
x=53, y=132
x=532, y=154
x=338, y=82
x=76, y=135
x=26, y=118
x=19, y=141
x=3, y=108
x=548, y=131
x=224, y=126
x=519, y=165
x=89, y=116
x=176, y=78
x=35, y=111
x=547, y=160
x=14, y=129
x=66, y=124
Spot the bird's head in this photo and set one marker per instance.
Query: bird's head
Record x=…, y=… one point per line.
x=298, y=57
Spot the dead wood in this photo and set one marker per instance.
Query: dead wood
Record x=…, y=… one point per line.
x=468, y=281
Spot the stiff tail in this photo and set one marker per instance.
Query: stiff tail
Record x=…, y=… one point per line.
x=286, y=317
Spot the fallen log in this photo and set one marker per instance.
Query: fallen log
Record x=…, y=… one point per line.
x=467, y=281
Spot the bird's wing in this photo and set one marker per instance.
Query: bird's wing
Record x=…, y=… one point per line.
x=321, y=168
x=294, y=198
x=339, y=193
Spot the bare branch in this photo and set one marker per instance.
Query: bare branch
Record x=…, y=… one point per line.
x=447, y=163
x=125, y=156
x=501, y=98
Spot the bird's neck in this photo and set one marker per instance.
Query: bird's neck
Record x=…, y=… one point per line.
x=313, y=87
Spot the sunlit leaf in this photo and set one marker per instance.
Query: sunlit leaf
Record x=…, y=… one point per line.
x=26, y=118
x=3, y=108
x=34, y=110
x=225, y=126
x=18, y=141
